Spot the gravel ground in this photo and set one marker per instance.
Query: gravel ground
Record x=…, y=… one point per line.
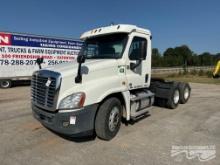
x=24, y=141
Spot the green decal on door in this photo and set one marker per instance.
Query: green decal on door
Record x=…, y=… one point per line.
x=121, y=70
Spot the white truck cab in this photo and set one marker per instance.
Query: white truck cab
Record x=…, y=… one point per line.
x=111, y=80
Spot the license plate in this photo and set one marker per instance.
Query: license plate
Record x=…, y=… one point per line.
x=72, y=119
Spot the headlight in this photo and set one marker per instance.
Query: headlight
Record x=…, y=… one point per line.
x=76, y=100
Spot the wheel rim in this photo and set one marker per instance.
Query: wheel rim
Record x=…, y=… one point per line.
x=5, y=84
x=114, y=118
x=176, y=96
x=186, y=93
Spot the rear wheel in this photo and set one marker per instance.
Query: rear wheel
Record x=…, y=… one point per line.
x=185, y=92
x=108, y=119
x=5, y=83
x=173, y=100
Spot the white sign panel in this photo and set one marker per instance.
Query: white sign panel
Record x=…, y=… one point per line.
x=18, y=53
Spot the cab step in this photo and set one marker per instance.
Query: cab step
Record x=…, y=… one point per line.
x=141, y=102
x=139, y=114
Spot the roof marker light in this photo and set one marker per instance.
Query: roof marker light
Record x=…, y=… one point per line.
x=118, y=27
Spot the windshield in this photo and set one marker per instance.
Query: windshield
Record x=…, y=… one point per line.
x=108, y=46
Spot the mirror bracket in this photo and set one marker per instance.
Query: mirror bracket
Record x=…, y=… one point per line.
x=39, y=61
x=80, y=59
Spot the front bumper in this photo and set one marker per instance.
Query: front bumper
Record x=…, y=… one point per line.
x=60, y=121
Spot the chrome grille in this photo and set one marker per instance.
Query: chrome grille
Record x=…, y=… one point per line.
x=44, y=89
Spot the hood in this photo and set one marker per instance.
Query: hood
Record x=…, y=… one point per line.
x=89, y=66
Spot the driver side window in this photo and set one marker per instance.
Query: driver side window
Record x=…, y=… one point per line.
x=138, y=49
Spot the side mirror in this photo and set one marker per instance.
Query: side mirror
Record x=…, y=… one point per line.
x=81, y=59
x=39, y=61
x=135, y=65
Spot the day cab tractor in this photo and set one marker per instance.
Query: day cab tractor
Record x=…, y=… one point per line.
x=110, y=80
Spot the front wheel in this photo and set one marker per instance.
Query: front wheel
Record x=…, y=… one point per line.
x=108, y=119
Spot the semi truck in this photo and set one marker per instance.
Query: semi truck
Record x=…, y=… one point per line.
x=110, y=81
x=18, y=54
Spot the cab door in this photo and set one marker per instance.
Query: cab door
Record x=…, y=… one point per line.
x=138, y=61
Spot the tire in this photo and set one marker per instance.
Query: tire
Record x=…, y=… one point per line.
x=185, y=92
x=108, y=119
x=173, y=100
x=5, y=84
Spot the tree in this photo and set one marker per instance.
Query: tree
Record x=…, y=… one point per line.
x=178, y=56
x=156, y=58
x=206, y=59
x=182, y=56
x=169, y=57
x=184, y=53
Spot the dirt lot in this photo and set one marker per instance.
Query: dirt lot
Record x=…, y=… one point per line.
x=25, y=142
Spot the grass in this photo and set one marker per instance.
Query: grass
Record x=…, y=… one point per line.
x=194, y=77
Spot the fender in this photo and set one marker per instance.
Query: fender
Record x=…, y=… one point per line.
x=126, y=96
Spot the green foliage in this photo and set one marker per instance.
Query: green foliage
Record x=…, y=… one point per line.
x=172, y=75
x=178, y=56
x=180, y=73
x=194, y=72
x=185, y=71
x=156, y=58
x=201, y=72
x=209, y=73
x=182, y=56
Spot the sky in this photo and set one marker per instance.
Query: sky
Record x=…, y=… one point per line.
x=195, y=23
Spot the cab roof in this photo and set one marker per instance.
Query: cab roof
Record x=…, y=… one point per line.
x=120, y=28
